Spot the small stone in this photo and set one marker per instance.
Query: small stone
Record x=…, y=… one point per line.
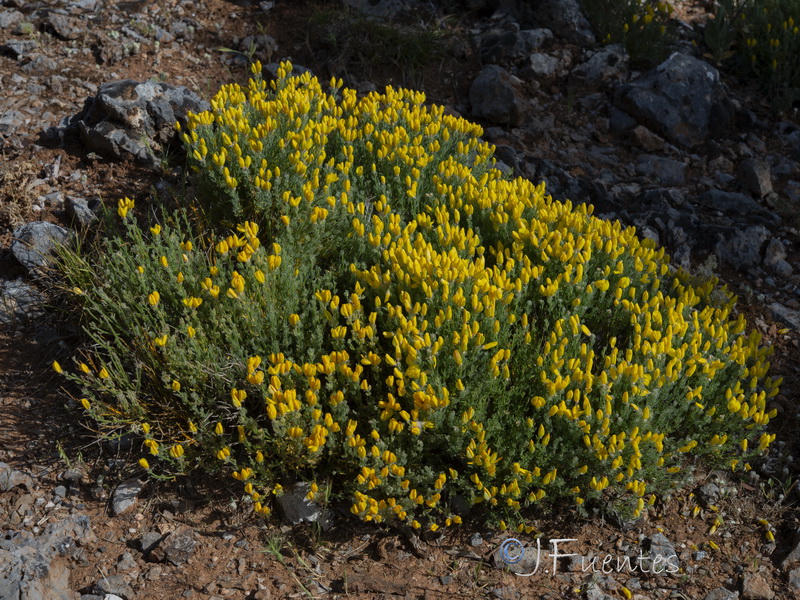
x=508, y=592
x=663, y=555
x=721, y=594
x=475, y=540
x=295, y=507
x=539, y=66
x=775, y=251
x=446, y=579
x=10, y=478
x=176, y=548
x=10, y=17
x=125, y=496
x=665, y=171
x=782, y=269
x=646, y=139
x=116, y=585
x=708, y=494
x=754, y=587
x=60, y=491
x=794, y=578
x=78, y=210
x=754, y=176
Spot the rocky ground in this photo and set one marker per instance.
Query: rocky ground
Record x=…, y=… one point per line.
x=693, y=157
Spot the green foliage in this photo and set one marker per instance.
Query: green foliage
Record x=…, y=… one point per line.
x=388, y=316
x=644, y=28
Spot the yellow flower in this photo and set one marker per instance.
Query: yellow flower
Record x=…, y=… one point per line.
x=176, y=385
x=176, y=451
x=103, y=374
x=146, y=428
x=155, y=230
x=86, y=404
x=218, y=429
x=191, y=331
x=143, y=463
x=57, y=367
x=294, y=319
x=161, y=341
x=164, y=262
x=85, y=368
x=154, y=298
x=123, y=206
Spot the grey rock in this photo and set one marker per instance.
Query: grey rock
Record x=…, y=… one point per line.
x=708, y=494
x=794, y=579
x=499, y=43
x=681, y=99
x=619, y=121
x=476, y=539
x=11, y=478
x=754, y=176
x=663, y=555
x=742, y=248
x=782, y=269
x=19, y=303
x=539, y=66
x=34, y=243
x=663, y=171
x=774, y=252
x=10, y=121
x=754, y=587
x=296, y=508
x=65, y=27
x=508, y=592
x=792, y=319
x=36, y=567
x=515, y=556
x=127, y=562
x=84, y=5
x=19, y=48
x=495, y=96
x=125, y=112
x=40, y=64
x=721, y=594
x=609, y=64
x=78, y=210
x=176, y=548
x=125, y=496
x=115, y=585
x=10, y=17
x=149, y=541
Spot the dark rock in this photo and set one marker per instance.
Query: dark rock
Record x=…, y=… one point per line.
x=782, y=269
x=176, y=548
x=114, y=584
x=754, y=587
x=498, y=44
x=676, y=99
x=721, y=594
x=563, y=17
x=530, y=40
x=125, y=496
x=742, y=249
x=733, y=204
x=19, y=302
x=754, y=176
x=114, y=122
x=619, y=121
x=508, y=592
x=495, y=96
x=609, y=64
x=646, y=139
x=663, y=171
x=34, y=243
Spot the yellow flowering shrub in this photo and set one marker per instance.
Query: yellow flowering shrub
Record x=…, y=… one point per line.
x=391, y=316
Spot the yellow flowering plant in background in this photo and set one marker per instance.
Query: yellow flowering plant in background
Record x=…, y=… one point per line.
x=366, y=302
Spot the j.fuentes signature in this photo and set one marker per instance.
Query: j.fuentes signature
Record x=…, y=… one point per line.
x=513, y=551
